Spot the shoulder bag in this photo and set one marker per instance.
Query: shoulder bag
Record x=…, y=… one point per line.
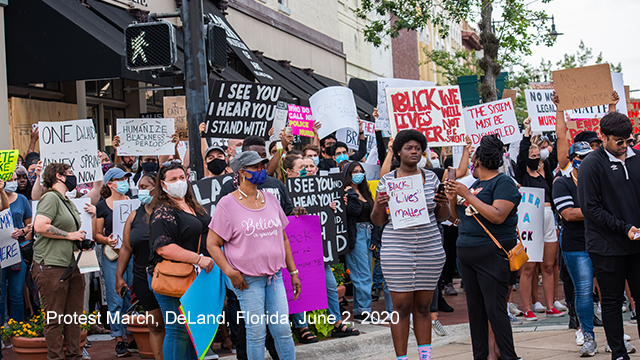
x=172, y=278
x=517, y=255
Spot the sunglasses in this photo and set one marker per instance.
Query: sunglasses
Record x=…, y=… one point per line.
x=628, y=142
x=168, y=163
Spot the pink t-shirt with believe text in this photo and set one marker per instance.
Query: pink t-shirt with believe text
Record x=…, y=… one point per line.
x=254, y=244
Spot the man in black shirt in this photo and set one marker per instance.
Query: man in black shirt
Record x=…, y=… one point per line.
x=609, y=196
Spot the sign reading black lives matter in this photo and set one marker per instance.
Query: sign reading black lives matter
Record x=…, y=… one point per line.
x=207, y=191
x=74, y=143
x=239, y=109
x=316, y=193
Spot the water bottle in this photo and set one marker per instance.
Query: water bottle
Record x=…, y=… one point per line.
x=382, y=190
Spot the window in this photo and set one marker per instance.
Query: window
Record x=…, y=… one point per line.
x=282, y=5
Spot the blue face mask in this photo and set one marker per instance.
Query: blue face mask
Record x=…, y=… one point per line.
x=576, y=163
x=144, y=196
x=303, y=172
x=257, y=177
x=342, y=157
x=357, y=178
x=123, y=187
x=316, y=160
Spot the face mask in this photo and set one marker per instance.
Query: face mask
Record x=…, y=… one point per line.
x=544, y=153
x=32, y=176
x=303, y=172
x=149, y=167
x=472, y=169
x=144, y=196
x=533, y=164
x=423, y=162
x=576, y=163
x=436, y=163
x=238, y=150
x=316, y=160
x=357, y=178
x=10, y=187
x=342, y=157
x=176, y=189
x=71, y=194
x=105, y=168
x=216, y=166
x=71, y=182
x=257, y=177
x=122, y=187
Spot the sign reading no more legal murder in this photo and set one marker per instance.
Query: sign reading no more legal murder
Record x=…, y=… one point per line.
x=237, y=110
x=496, y=117
x=140, y=137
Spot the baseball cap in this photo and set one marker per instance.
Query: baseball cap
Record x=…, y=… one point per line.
x=115, y=173
x=588, y=136
x=214, y=147
x=246, y=158
x=31, y=158
x=581, y=148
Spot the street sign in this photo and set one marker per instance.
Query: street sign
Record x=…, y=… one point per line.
x=150, y=46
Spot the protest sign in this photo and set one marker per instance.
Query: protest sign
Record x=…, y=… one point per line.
x=456, y=152
x=436, y=112
x=85, y=217
x=9, y=247
x=175, y=107
x=8, y=162
x=237, y=110
x=305, y=238
x=382, y=122
x=280, y=120
x=201, y=309
x=207, y=191
x=300, y=120
x=74, y=143
x=407, y=205
x=510, y=94
x=575, y=126
x=496, y=117
x=121, y=211
x=583, y=86
x=334, y=108
x=351, y=137
x=531, y=222
x=316, y=193
x=88, y=261
x=140, y=137
x=541, y=109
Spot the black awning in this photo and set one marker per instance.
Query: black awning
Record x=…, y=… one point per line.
x=287, y=80
x=55, y=40
x=366, y=89
x=325, y=80
x=306, y=78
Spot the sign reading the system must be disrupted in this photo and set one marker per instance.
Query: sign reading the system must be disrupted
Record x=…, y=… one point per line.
x=237, y=110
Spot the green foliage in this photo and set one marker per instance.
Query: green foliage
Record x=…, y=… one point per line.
x=582, y=58
x=318, y=325
x=451, y=66
x=341, y=274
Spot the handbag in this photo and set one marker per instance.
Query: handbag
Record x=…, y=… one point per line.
x=172, y=278
x=517, y=255
x=110, y=253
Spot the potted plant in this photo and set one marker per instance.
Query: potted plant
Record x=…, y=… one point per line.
x=341, y=275
x=137, y=324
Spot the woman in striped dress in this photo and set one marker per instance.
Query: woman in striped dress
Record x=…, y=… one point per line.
x=412, y=258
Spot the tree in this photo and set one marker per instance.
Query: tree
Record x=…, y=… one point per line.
x=503, y=42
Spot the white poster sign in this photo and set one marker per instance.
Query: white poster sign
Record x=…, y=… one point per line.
x=496, y=117
x=73, y=142
x=9, y=247
x=140, y=137
x=85, y=217
x=121, y=211
x=456, y=151
x=335, y=108
x=382, y=122
x=351, y=137
x=541, y=109
x=408, y=206
x=531, y=222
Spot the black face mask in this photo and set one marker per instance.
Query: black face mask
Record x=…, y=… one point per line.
x=149, y=167
x=71, y=182
x=216, y=166
x=533, y=164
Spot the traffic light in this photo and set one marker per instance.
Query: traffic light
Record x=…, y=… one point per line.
x=216, y=46
x=150, y=46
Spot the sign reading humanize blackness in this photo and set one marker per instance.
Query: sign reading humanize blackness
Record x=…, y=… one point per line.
x=434, y=111
x=145, y=137
x=237, y=110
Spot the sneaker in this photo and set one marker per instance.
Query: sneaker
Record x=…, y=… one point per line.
x=514, y=320
x=579, y=338
x=450, y=290
x=88, y=344
x=210, y=355
x=626, y=337
x=530, y=316
x=437, y=327
x=85, y=354
x=443, y=306
x=538, y=308
x=590, y=347
x=558, y=305
x=132, y=346
x=634, y=319
x=597, y=321
x=624, y=308
x=375, y=294
x=513, y=309
x=599, y=309
x=630, y=348
x=554, y=313
x=121, y=349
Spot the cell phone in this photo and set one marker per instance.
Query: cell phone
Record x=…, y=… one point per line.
x=288, y=131
x=34, y=127
x=451, y=174
x=441, y=188
x=123, y=291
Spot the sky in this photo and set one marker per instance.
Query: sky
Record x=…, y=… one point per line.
x=607, y=26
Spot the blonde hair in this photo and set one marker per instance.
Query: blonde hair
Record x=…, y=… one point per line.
x=533, y=147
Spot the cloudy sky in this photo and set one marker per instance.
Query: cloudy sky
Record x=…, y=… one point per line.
x=610, y=27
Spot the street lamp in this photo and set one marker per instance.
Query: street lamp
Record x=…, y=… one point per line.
x=554, y=34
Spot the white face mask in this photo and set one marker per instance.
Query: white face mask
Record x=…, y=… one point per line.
x=423, y=162
x=544, y=153
x=10, y=187
x=176, y=189
x=71, y=194
x=436, y=163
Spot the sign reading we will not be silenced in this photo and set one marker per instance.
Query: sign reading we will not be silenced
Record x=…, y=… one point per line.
x=145, y=137
x=237, y=110
x=407, y=205
x=531, y=222
x=436, y=112
x=300, y=120
x=496, y=117
x=9, y=247
x=121, y=211
x=8, y=162
x=72, y=142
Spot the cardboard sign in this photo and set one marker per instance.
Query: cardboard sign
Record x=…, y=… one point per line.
x=207, y=191
x=305, y=237
x=541, y=109
x=140, y=137
x=576, y=126
x=8, y=162
x=175, y=107
x=335, y=108
x=408, y=206
x=531, y=222
x=9, y=247
x=510, y=94
x=85, y=217
x=436, y=112
x=121, y=211
x=72, y=142
x=237, y=109
x=583, y=87
x=382, y=122
x=300, y=120
x=496, y=117
x=316, y=193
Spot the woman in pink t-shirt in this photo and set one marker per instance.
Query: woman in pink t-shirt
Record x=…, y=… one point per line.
x=250, y=224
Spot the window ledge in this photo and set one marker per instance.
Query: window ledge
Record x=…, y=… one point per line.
x=284, y=9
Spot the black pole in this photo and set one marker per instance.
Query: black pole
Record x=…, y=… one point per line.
x=196, y=88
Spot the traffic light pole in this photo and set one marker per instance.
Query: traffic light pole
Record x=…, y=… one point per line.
x=196, y=88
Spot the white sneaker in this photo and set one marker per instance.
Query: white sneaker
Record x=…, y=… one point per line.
x=627, y=337
x=210, y=355
x=537, y=307
x=579, y=338
x=630, y=348
x=513, y=309
x=624, y=308
x=599, y=309
x=558, y=305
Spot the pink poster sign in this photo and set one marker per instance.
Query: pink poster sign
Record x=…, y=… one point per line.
x=300, y=120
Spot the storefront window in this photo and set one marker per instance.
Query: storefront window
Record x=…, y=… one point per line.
x=111, y=89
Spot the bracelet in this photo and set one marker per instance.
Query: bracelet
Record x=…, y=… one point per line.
x=199, y=258
x=456, y=222
x=295, y=272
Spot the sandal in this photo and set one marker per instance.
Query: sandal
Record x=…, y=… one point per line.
x=344, y=331
x=306, y=337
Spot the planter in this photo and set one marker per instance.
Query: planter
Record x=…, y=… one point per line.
x=140, y=330
x=36, y=348
x=341, y=291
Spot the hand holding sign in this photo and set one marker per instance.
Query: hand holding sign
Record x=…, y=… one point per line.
x=408, y=205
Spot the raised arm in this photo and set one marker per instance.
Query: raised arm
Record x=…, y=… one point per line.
x=463, y=167
x=561, y=132
x=614, y=101
x=388, y=159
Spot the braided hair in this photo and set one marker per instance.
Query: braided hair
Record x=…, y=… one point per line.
x=490, y=152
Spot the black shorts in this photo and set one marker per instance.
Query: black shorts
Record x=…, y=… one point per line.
x=146, y=296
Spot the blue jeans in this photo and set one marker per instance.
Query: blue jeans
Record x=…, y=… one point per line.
x=378, y=278
x=299, y=320
x=581, y=272
x=115, y=303
x=15, y=290
x=332, y=293
x=359, y=263
x=265, y=297
x=177, y=343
